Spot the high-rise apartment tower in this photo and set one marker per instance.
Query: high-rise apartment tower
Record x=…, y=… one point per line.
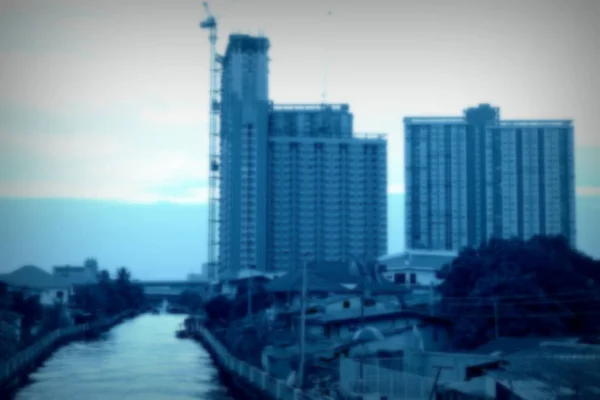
x=474, y=177
x=296, y=184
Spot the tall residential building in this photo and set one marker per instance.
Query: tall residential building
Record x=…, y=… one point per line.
x=244, y=130
x=327, y=188
x=295, y=183
x=474, y=177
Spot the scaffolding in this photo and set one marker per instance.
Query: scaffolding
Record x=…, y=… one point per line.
x=210, y=24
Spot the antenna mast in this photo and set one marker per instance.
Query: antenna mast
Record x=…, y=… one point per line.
x=210, y=23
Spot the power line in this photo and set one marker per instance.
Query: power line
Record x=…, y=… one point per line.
x=491, y=315
x=525, y=296
x=501, y=301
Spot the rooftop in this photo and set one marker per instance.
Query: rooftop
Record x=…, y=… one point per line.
x=504, y=346
x=246, y=43
x=368, y=314
x=536, y=122
x=335, y=271
x=369, y=136
x=421, y=259
x=292, y=282
x=32, y=277
x=341, y=107
x=485, y=115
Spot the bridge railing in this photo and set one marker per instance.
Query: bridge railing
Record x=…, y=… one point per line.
x=275, y=388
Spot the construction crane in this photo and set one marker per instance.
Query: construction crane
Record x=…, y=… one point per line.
x=210, y=23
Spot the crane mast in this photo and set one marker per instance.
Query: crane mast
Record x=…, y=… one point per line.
x=210, y=24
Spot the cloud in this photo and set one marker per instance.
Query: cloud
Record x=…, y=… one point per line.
x=588, y=191
x=396, y=189
x=102, y=166
x=99, y=191
x=174, y=117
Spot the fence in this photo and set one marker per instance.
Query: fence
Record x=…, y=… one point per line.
x=16, y=364
x=372, y=378
x=258, y=378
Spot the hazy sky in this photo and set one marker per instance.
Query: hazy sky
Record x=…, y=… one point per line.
x=158, y=241
x=108, y=99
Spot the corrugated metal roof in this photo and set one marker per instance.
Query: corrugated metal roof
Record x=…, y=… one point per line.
x=370, y=314
x=335, y=271
x=292, y=282
x=508, y=345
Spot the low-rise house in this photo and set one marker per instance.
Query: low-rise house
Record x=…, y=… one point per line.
x=288, y=288
x=560, y=368
x=415, y=268
x=333, y=305
x=32, y=280
x=506, y=346
x=74, y=276
x=344, y=273
x=544, y=368
x=432, y=331
x=233, y=282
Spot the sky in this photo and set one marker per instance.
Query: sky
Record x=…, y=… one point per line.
x=108, y=100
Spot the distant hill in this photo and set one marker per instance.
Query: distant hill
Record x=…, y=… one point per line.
x=29, y=276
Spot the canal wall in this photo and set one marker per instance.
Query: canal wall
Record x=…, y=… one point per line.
x=252, y=380
x=21, y=364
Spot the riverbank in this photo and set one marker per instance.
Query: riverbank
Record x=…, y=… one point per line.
x=253, y=381
x=13, y=371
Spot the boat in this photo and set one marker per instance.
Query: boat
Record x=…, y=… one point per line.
x=182, y=333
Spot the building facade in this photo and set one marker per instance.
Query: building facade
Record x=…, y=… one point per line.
x=327, y=188
x=243, y=146
x=296, y=184
x=475, y=177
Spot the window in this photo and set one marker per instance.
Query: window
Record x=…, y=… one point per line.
x=400, y=278
x=346, y=304
x=413, y=278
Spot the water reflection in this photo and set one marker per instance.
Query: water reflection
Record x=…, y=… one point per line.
x=140, y=359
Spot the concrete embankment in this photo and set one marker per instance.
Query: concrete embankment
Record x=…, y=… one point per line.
x=255, y=382
x=21, y=364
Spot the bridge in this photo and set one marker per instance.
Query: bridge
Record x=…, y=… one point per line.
x=168, y=289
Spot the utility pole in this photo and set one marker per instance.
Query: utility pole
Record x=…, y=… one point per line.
x=249, y=298
x=496, y=327
x=252, y=268
x=435, y=381
x=302, y=325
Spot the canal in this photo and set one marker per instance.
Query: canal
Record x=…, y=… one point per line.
x=139, y=359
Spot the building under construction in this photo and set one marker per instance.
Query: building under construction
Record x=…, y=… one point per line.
x=296, y=183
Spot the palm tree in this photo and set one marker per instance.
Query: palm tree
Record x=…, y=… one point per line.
x=123, y=275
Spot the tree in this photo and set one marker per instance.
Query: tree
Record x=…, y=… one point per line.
x=91, y=263
x=191, y=299
x=261, y=300
x=30, y=309
x=123, y=276
x=9, y=336
x=518, y=288
x=218, y=309
x=110, y=296
x=104, y=278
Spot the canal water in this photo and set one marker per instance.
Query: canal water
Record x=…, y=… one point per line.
x=140, y=359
